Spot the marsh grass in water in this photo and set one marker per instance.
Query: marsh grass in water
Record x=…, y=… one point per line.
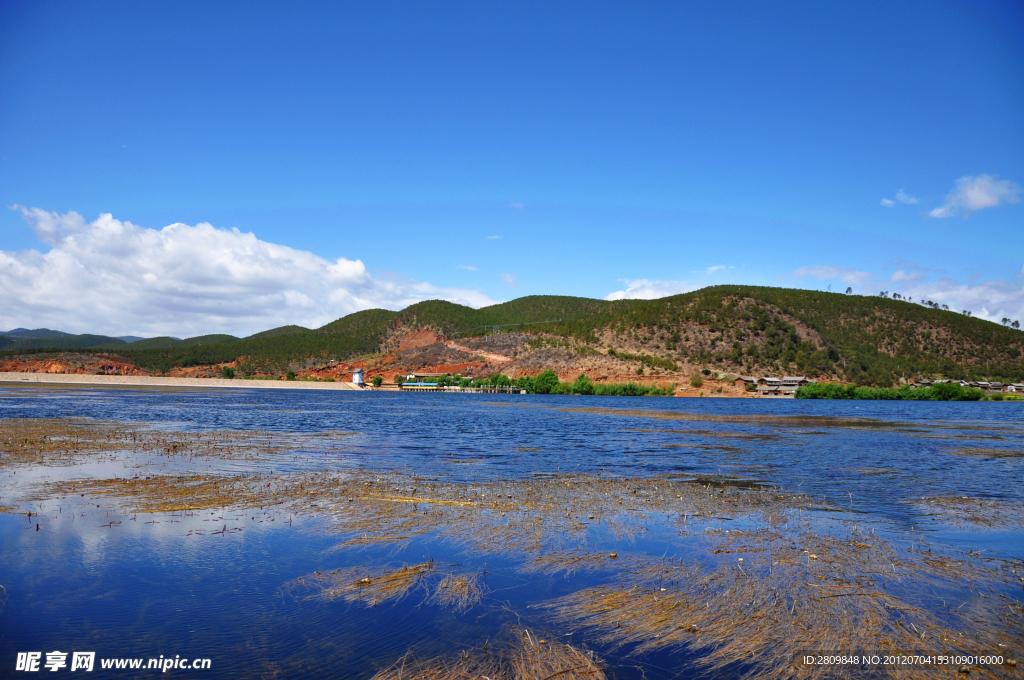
x=523, y=655
x=985, y=453
x=765, y=574
x=369, y=586
x=975, y=512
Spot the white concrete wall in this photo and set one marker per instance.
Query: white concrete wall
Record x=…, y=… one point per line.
x=143, y=381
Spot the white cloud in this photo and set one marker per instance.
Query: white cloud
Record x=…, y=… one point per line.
x=901, y=275
x=905, y=198
x=509, y=280
x=901, y=196
x=644, y=289
x=847, y=275
x=971, y=194
x=990, y=300
x=114, y=277
x=518, y=205
x=718, y=268
x=467, y=267
x=493, y=237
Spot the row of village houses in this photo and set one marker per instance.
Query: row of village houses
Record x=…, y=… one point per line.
x=979, y=384
x=787, y=385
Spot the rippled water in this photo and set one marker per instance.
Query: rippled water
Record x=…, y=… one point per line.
x=146, y=589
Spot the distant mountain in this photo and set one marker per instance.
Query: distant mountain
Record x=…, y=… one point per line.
x=279, y=331
x=166, y=341
x=56, y=341
x=26, y=334
x=736, y=329
x=130, y=338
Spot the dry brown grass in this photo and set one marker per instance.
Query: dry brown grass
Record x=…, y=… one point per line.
x=526, y=656
x=976, y=512
x=458, y=591
x=365, y=585
x=825, y=595
x=61, y=442
x=472, y=666
x=169, y=493
x=58, y=442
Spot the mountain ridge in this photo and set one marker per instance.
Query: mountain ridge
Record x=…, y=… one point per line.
x=737, y=329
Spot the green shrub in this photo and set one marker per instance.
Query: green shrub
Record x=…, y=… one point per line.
x=696, y=381
x=228, y=373
x=377, y=381
x=582, y=385
x=941, y=392
x=290, y=375
x=545, y=382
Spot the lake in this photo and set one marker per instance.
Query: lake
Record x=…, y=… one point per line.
x=300, y=534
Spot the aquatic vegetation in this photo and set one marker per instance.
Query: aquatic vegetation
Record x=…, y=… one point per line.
x=63, y=442
x=169, y=493
x=748, y=419
x=985, y=453
x=754, y=436
x=779, y=601
x=357, y=584
x=525, y=656
x=372, y=586
x=458, y=591
x=765, y=574
x=975, y=512
x=34, y=441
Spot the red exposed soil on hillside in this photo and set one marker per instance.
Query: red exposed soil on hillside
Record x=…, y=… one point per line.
x=421, y=338
x=71, y=364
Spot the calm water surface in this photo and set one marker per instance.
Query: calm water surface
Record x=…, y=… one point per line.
x=139, y=589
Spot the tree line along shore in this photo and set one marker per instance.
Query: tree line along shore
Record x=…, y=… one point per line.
x=625, y=346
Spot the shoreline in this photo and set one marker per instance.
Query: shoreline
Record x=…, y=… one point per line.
x=148, y=381
x=18, y=378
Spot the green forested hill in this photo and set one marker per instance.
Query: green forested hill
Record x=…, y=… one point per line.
x=275, y=332
x=869, y=340
x=14, y=344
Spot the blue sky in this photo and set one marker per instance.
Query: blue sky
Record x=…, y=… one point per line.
x=383, y=153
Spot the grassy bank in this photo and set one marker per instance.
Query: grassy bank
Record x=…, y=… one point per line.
x=548, y=383
x=943, y=392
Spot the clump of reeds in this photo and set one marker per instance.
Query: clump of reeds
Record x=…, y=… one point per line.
x=567, y=562
x=466, y=666
x=359, y=584
x=977, y=512
x=524, y=656
x=540, y=659
x=458, y=591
